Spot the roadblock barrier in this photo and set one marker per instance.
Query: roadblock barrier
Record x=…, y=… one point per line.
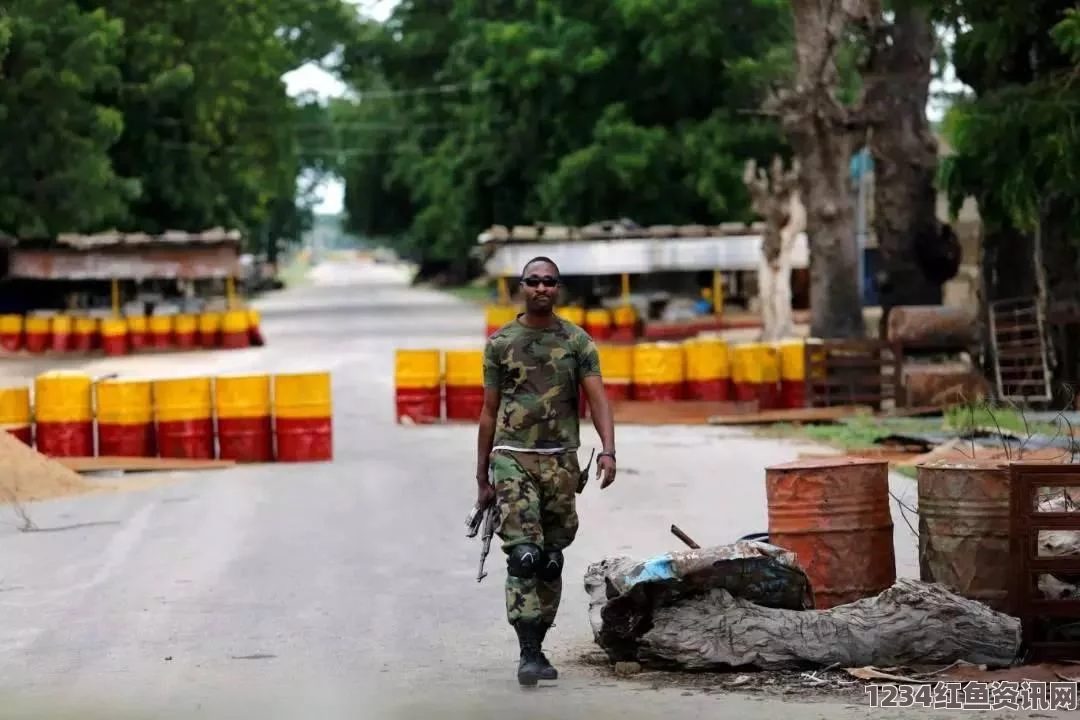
x=11, y=332
x=769, y=389
x=161, y=330
x=495, y=316
x=185, y=330
x=418, y=386
x=64, y=414
x=62, y=328
x=746, y=372
x=210, y=330
x=572, y=314
x=15, y=413
x=792, y=374
x=303, y=417
x=114, y=336
x=84, y=334
x=38, y=333
x=617, y=369
x=138, y=331
x=244, y=412
x=598, y=323
x=235, y=329
x=464, y=384
x=183, y=409
x=125, y=418
x=624, y=323
x=708, y=371
x=659, y=372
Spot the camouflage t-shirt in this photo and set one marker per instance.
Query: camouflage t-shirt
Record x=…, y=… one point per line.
x=538, y=374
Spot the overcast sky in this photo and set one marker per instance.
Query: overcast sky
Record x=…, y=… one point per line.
x=311, y=78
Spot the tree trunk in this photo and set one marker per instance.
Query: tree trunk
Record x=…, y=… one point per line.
x=823, y=134
x=910, y=623
x=904, y=148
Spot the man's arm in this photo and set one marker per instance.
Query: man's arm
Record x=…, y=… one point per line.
x=593, y=382
x=486, y=435
x=600, y=409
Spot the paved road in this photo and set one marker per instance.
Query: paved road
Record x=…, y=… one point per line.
x=335, y=590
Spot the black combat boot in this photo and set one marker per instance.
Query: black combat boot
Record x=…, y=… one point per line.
x=547, y=672
x=531, y=665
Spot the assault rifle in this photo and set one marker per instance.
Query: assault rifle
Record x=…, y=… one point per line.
x=487, y=519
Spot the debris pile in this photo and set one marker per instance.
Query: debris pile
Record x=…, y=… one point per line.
x=29, y=476
x=746, y=605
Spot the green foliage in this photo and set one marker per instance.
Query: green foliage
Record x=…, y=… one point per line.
x=1017, y=141
x=156, y=115
x=557, y=111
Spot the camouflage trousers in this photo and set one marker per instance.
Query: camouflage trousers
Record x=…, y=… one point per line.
x=536, y=497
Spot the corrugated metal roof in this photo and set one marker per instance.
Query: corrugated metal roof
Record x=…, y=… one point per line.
x=611, y=230
x=213, y=236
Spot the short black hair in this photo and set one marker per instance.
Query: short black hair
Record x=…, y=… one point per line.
x=543, y=259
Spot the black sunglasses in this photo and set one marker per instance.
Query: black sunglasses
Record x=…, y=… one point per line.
x=534, y=281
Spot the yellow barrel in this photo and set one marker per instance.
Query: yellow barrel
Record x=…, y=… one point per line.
x=617, y=369
x=161, y=330
x=659, y=371
x=183, y=408
x=708, y=371
x=64, y=414
x=15, y=416
x=572, y=314
x=253, y=317
x=747, y=373
x=114, y=335
x=125, y=415
x=303, y=417
x=417, y=369
x=38, y=333
x=770, y=363
x=137, y=323
x=616, y=362
x=495, y=316
x=210, y=322
x=624, y=315
x=242, y=396
x=792, y=373
x=183, y=399
x=464, y=368
x=244, y=410
x=85, y=334
x=62, y=328
x=86, y=325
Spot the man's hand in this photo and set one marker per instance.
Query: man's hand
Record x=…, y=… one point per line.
x=605, y=470
x=485, y=494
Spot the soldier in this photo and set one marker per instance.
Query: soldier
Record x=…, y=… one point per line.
x=534, y=368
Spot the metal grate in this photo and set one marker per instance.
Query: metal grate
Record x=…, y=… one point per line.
x=1021, y=366
x=853, y=372
x=1051, y=627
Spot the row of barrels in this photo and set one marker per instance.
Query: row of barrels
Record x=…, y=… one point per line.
x=436, y=385
x=120, y=335
x=244, y=418
x=617, y=324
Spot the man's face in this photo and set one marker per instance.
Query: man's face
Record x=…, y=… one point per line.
x=540, y=285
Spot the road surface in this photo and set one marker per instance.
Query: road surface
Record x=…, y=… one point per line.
x=346, y=589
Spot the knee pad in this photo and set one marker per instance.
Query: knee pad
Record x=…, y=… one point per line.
x=551, y=565
x=524, y=560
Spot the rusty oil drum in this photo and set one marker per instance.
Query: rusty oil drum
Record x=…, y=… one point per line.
x=964, y=529
x=834, y=514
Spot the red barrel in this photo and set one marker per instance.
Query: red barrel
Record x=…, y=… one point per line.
x=303, y=417
x=792, y=374
x=210, y=330
x=114, y=336
x=63, y=405
x=11, y=332
x=161, y=331
x=708, y=375
x=659, y=372
x=769, y=390
x=15, y=415
x=418, y=386
x=833, y=513
x=235, y=330
x=185, y=331
x=38, y=334
x=746, y=373
x=245, y=431
x=183, y=409
x=63, y=333
x=125, y=418
x=464, y=384
x=138, y=332
x=84, y=336
x=598, y=323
